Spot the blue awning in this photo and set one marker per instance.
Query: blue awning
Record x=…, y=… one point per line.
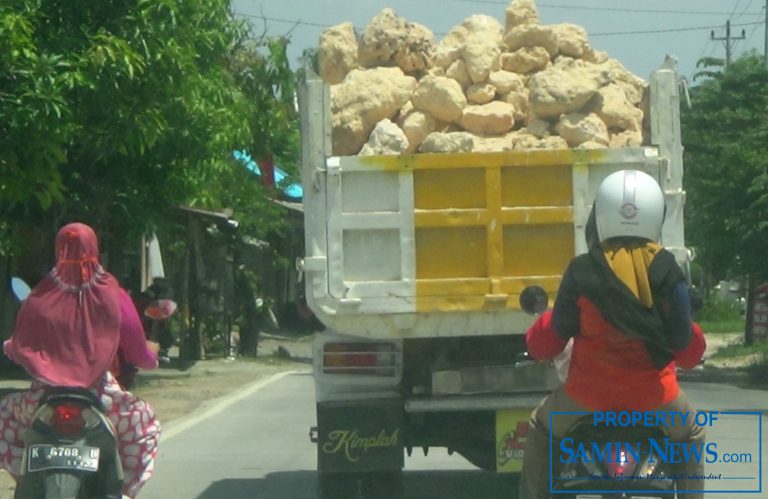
x=293, y=191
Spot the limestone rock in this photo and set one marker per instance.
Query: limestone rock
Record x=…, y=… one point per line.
x=571, y=39
x=440, y=96
x=365, y=97
x=386, y=138
x=634, y=87
x=337, y=53
x=389, y=40
x=591, y=144
x=627, y=138
x=480, y=93
x=538, y=127
x=494, y=118
x=449, y=49
x=521, y=12
x=525, y=60
x=564, y=39
x=613, y=107
x=524, y=141
x=596, y=56
x=447, y=142
x=481, y=49
x=492, y=144
x=482, y=87
x=458, y=71
x=532, y=35
x=506, y=82
x=553, y=142
x=416, y=125
x=557, y=90
x=519, y=101
x=578, y=128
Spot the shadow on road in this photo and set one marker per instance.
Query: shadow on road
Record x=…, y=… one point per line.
x=472, y=484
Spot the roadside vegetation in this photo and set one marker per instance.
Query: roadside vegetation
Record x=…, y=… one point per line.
x=115, y=113
x=747, y=362
x=719, y=316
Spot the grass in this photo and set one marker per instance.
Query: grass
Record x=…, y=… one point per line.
x=740, y=350
x=723, y=325
x=719, y=316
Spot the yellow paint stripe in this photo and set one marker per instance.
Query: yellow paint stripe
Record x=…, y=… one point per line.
x=513, y=159
x=450, y=218
x=537, y=216
x=495, y=237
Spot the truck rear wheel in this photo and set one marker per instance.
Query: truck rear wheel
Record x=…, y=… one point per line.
x=383, y=485
x=337, y=485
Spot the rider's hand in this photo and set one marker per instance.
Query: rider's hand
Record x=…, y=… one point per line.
x=153, y=346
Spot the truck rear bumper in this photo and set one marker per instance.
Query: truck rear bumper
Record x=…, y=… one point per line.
x=462, y=403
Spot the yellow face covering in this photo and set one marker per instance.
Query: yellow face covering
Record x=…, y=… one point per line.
x=630, y=264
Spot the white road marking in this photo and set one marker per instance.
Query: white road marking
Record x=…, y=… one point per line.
x=177, y=426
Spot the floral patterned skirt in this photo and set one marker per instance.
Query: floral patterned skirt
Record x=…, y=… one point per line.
x=138, y=430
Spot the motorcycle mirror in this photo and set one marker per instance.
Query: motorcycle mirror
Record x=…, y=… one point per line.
x=534, y=300
x=20, y=288
x=160, y=309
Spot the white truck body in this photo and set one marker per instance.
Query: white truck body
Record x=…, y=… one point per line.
x=388, y=256
x=424, y=258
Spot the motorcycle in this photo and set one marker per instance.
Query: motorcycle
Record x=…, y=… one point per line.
x=605, y=462
x=70, y=446
x=70, y=449
x=611, y=463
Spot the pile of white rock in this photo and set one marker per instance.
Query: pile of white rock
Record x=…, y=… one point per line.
x=483, y=87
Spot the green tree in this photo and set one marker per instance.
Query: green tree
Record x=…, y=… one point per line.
x=115, y=112
x=725, y=133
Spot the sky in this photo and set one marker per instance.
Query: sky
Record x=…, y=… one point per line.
x=639, y=34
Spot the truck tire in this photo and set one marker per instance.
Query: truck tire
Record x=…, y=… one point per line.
x=383, y=485
x=337, y=485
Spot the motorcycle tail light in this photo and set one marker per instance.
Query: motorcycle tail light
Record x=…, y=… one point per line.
x=67, y=419
x=624, y=465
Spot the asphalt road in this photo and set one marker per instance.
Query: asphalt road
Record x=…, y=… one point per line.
x=255, y=445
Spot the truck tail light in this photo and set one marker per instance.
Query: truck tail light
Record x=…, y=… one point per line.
x=376, y=359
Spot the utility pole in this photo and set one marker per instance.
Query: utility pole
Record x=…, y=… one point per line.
x=765, y=29
x=728, y=39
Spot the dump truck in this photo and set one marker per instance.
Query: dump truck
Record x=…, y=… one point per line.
x=416, y=265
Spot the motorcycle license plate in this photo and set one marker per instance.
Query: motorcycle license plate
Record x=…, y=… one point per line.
x=68, y=457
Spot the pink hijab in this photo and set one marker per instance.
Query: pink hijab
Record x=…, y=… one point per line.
x=67, y=331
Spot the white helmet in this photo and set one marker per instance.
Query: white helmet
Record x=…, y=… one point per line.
x=629, y=203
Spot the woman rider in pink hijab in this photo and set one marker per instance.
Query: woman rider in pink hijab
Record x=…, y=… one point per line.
x=67, y=333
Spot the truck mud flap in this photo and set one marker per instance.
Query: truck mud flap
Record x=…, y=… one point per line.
x=360, y=436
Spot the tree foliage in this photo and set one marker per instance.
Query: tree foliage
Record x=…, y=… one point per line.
x=725, y=135
x=117, y=111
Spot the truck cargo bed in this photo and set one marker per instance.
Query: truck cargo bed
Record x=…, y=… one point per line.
x=430, y=245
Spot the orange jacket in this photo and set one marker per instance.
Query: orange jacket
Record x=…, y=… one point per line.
x=608, y=369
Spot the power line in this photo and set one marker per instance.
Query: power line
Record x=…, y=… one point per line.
x=289, y=21
x=735, y=6
x=668, y=30
x=618, y=9
x=745, y=9
x=612, y=33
